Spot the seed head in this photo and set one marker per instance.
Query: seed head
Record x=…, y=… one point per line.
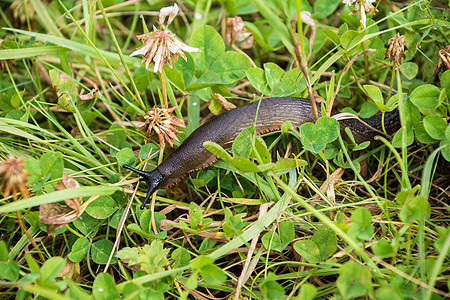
x=13, y=177
x=396, y=48
x=20, y=10
x=444, y=60
x=161, y=125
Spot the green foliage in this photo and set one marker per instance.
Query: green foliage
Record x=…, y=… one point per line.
x=104, y=287
x=79, y=249
x=361, y=228
x=100, y=251
x=425, y=96
x=125, y=157
x=210, y=273
x=274, y=81
x=10, y=269
x=414, y=209
x=270, y=288
x=409, y=70
x=195, y=215
x=315, y=136
x=233, y=223
x=354, y=280
x=52, y=165
x=102, y=208
x=383, y=249
x=150, y=258
x=377, y=97
x=321, y=246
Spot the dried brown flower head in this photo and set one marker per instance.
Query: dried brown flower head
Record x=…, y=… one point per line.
x=396, y=48
x=444, y=60
x=236, y=33
x=20, y=9
x=160, y=45
x=161, y=125
x=7, y=62
x=13, y=177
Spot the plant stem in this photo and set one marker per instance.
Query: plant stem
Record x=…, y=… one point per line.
x=352, y=165
x=24, y=229
x=405, y=180
x=397, y=156
x=164, y=91
x=300, y=56
x=391, y=86
x=327, y=222
x=134, y=95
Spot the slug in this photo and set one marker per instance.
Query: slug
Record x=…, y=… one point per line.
x=191, y=156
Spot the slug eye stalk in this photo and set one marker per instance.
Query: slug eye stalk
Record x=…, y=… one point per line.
x=153, y=180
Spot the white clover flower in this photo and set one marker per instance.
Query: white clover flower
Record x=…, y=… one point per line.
x=161, y=46
x=363, y=6
x=170, y=11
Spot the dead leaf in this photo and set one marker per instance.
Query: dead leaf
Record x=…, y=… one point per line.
x=334, y=178
x=56, y=215
x=69, y=183
x=235, y=33
x=225, y=103
x=89, y=95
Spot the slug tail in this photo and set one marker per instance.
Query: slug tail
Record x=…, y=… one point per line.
x=153, y=180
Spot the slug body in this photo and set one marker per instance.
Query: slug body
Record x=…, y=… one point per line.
x=269, y=113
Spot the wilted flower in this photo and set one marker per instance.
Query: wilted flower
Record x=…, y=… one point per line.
x=364, y=6
x=237, y=33
x=20, y=10
x=13, y=177
x=396, y=48
x=7, y=62
x=444, y=60
x=161, y=46
x=159, y=123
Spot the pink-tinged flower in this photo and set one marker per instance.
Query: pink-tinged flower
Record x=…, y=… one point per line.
x=161, y=46
x=161, y=125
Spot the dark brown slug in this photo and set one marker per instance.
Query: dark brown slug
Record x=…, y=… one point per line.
x=191, y=156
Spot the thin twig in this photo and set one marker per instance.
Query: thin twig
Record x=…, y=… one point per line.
x=248, y=269
x=347, y=67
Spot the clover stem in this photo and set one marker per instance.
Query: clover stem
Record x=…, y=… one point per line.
x=24, y=229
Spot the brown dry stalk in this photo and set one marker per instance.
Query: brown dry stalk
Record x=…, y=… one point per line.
x=347, y=67
x=247, y=270
x=406, y=276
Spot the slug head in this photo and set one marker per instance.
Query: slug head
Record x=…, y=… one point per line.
x=153, y=180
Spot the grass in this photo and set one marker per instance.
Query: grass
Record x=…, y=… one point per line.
x=279, y=217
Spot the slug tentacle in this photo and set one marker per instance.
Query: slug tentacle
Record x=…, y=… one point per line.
x=267, y=115
x=153, y=180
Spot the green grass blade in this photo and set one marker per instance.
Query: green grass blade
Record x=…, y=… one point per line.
x=85, y=191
